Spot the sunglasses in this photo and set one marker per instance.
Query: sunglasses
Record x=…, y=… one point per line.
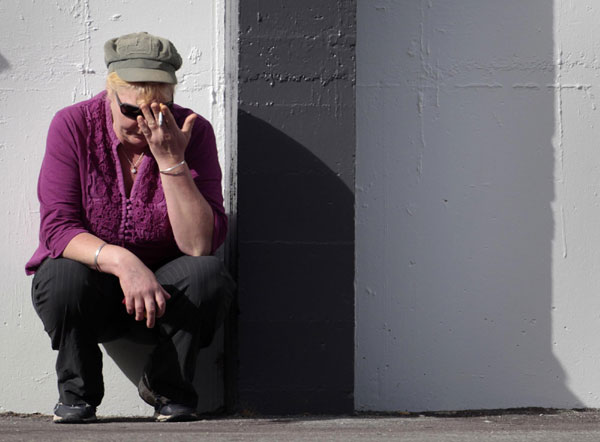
x=131, y=111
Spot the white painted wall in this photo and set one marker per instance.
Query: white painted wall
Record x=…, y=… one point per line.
x=477, y=204
x=51, y=56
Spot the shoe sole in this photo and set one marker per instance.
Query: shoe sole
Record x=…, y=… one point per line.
x=73, y=420
x=175, y=418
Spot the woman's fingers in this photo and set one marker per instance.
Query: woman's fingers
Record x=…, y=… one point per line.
x=188, y=125
x=129, y=305
x=156, y=110
x=150, y=311
x=144, y=127
x=143, y=293
x=149, y=114
x=140, y=307
x=148, y=306
x=168, y=117
x=148, y=122
x=161, y=303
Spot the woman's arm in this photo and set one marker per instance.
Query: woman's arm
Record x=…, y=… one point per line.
x=190, y=215
x=144, y=296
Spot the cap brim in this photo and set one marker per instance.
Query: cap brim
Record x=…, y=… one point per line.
x=132, y=75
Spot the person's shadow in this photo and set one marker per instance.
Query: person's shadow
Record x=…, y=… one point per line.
x=132, y=351
x=295, y=265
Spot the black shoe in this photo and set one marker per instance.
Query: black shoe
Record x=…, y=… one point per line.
x=174, y=413
x=74, y=414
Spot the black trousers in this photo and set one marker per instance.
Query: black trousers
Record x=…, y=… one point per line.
x=81, y=307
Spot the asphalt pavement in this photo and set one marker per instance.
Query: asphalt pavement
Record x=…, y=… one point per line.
x=498, y=426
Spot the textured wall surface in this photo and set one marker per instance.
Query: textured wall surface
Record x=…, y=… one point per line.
x=296, y=230
x=52, y=56
x=477, y=204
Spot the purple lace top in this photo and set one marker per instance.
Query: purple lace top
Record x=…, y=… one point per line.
x=81, y=187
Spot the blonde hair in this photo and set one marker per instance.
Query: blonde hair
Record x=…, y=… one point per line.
x=147, y=91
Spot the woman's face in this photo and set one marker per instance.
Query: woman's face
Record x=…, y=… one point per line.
x=126, y=129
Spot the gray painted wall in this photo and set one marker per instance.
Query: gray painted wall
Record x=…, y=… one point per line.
x=477, y=204
x=296, y=206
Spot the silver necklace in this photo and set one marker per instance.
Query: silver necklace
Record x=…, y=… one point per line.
x=135, y=165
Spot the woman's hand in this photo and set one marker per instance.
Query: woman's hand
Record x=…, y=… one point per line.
x=144, y=296
x=167, y=142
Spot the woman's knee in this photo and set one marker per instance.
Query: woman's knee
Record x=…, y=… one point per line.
x=215, y=289
x=60, y=285
x=59, y=280
x=203, y=280
x=202, y=276
x=201, y=290
x=212, y=281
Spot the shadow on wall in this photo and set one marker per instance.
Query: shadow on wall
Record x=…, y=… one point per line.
x=296, y=254
x=455, y=227
x=131, y=353
x=295, y=196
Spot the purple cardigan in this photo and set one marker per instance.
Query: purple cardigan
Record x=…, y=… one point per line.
x=81, y=188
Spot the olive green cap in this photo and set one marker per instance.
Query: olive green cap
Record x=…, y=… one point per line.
x=142, y=57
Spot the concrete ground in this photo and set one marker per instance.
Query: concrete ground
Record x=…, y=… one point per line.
x=503, y=425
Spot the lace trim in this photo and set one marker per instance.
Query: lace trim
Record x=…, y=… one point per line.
x=107, y=211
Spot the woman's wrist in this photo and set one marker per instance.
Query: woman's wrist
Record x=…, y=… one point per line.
x=176, y=169
x=97, y=255
x=167, y=158
x=115, y=260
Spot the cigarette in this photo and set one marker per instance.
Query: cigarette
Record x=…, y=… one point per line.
x=160, y=119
